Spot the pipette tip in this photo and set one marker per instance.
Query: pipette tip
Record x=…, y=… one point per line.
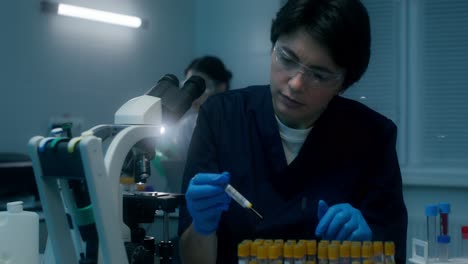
x=257, y=213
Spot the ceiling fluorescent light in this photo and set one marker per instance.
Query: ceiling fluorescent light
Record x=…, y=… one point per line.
x=94, y=14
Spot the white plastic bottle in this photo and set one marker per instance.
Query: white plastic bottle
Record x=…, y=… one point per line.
x=19, y=235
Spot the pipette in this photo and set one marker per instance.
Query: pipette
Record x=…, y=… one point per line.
x=234, y=194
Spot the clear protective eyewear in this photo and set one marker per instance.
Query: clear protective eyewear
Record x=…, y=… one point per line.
x=314, y=76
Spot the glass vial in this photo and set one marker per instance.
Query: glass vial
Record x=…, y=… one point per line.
x=288, y=252
x=243, y=253
x=389, y=252
x=431, y=230
x=443, y=243
x=444, y=210
x=464, y=242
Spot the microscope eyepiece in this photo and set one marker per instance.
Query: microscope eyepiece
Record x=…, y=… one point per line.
x=167, y=82
x=194, y=86
x=170, y=78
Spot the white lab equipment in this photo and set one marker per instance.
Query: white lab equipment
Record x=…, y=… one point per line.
x=96, y=158
x=443, y=243
x=19, y=235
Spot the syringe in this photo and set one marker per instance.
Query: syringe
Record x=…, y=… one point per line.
x=234, y=194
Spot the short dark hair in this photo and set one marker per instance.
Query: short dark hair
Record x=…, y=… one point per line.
x=341, y=26
x=213, y=67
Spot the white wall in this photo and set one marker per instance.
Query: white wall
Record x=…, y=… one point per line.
x=52, y=66
x=239, y=33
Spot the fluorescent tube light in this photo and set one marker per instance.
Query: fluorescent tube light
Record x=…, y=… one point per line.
x=98, y=15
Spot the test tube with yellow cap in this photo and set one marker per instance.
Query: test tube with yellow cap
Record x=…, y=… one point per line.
x=275, y=256
x=345, y=253
x=322, y=255
x=378, y=252
x=389, y=252
x=366, y=251
x=311, y=250
x=333, y=253
x=243, y=253
x=355, y=252
x=262, y=254
x=288, y=252
x=300, y=253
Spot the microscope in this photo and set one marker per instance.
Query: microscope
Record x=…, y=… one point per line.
x=89, y=219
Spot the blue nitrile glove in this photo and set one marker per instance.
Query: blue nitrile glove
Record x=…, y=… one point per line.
x=341, y=222
x=206, y=200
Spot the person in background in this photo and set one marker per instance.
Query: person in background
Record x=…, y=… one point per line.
x=217, y=80
x=171, y=151
x=315, y=164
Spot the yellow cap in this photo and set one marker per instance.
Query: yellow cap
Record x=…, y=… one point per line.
x=253, y=248
x=345, y=250
x=288, y=250
x=268, y=242
x=357, y=243
x=311, y=247
x=140, y=186
x=262, y=252
x=366, y=251
x=389, y=248
x=322, y=251
x=274, y=251
x=243, y=250
x=292, y=241
x=369, y=243
x=247, y=241
x=378, y=248
x=127, y=180
x=333, y=250
x=259, y=241
x=299, y=250
x=367, y=261
x=324, y=242
x=279, y=241
x=336, y=242
x=356, y=249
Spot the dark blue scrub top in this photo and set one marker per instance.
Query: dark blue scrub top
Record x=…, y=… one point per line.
x=348, y=157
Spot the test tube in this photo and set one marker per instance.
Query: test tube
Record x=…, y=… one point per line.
x=333, y=253
x=444, y=209
x=262, y=254
x=355, y=252
x=378, y=252
x=275, y=254
x=299, y=253
x=367, y=251
x=288, y=252
x=389, y=252
x=243, y=253
x=464, y=242
x=322, y=254
x=431, y=227
x=443, y=247
x=345, y=253
x=311, y=250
